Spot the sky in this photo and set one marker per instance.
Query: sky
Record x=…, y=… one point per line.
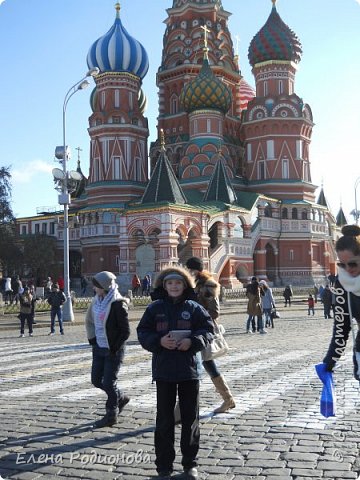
x=43, y=49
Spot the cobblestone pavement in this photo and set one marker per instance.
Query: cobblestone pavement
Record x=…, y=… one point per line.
x=48, y=406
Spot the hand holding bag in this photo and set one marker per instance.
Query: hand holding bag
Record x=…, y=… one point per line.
x=218, y=345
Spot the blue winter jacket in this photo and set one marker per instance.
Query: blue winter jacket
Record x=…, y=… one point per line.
x=164, y=315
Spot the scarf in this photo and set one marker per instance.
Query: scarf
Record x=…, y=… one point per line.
x=100, y=307
x=350, y=284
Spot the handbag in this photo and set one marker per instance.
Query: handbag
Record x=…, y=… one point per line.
x=217, y=347
x=274, y=313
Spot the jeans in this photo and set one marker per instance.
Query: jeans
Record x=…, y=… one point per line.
x=211, y=368
x=104, y=373
x=188, y=392
x=267, y=313
x=23, y=317
x=260, y=324
x=56, y=311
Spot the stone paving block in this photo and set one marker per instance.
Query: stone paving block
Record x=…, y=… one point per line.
x=27, y=476
x=278, y=477
x=255, y=446
x=264, y=455
x=286, y=472
x=307, y=449
x=300, y=456
x=316, y=477
x=336, y=466
x=264, y=463
x=341, y=475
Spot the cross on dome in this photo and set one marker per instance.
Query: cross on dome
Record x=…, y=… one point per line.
x=206, y=31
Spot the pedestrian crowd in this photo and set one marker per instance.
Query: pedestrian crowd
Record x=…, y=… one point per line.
x=179, y=326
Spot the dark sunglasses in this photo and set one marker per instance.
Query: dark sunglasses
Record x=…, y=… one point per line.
x=348, y=264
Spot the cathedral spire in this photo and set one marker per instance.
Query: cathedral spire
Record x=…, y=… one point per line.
x=220, y=188
x=163, y=185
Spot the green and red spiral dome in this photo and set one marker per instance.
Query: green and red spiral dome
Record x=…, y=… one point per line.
x=275, y=41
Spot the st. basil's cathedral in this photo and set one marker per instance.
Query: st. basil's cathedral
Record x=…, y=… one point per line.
x=229, y=178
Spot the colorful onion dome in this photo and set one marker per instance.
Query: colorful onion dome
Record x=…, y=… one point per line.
x=247, y=93
x=117, y=51
x=142, y=101
x=206, y=91
x=275, y=41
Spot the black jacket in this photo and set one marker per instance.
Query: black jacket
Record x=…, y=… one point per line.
x=56, y=299
x=164, y=315
x=117, y=326
x=342, y=327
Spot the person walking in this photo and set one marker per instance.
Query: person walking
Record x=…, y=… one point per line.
x=48, y=287
x=311, y=304
x=207, y=291
x=267, y=303
x=56, y=299
x=287, y=294
x=254, y=309
x=347, y=292
x=146, y=285
x=326, y=299
x=8, y=295
x=83, y=284
x=107, y=328
x=25, y=300
x=175, y=366
x=135, y=285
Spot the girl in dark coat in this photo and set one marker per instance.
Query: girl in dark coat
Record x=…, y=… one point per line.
x=107, y=328
x=347, y=291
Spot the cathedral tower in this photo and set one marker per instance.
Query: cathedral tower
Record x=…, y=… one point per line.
x=118, y=128
x=182, y=62
x=277, y=125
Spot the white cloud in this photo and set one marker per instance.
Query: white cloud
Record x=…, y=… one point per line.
x=27, y=172
x=2, y=1
x=358, y=1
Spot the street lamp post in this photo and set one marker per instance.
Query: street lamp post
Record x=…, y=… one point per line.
x=63, y=154
x=357, y=182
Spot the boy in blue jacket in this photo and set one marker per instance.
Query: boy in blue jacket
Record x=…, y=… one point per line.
x=175, y=366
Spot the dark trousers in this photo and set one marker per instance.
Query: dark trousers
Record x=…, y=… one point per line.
x=28, y=318
x=188, y=393
x=104, y=373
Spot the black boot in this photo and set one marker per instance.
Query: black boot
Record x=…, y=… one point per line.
x=124, y=400
x=108, y=420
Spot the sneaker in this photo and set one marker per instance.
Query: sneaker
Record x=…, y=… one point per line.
x=30, y=334
x=263, y=331
x=122, y=402
x=62, y=333
x=51, y=333
x=22, y=335
x=248, y=331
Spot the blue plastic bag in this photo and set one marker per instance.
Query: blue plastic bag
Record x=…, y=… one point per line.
x=327, y=399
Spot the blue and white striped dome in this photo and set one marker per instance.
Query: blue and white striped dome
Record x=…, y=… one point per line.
x=117, y=51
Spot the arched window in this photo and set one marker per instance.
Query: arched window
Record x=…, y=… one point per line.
x=304, y=215
x=284, y=213
x=294, y=214
x=268, y=211
x=174, y=105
